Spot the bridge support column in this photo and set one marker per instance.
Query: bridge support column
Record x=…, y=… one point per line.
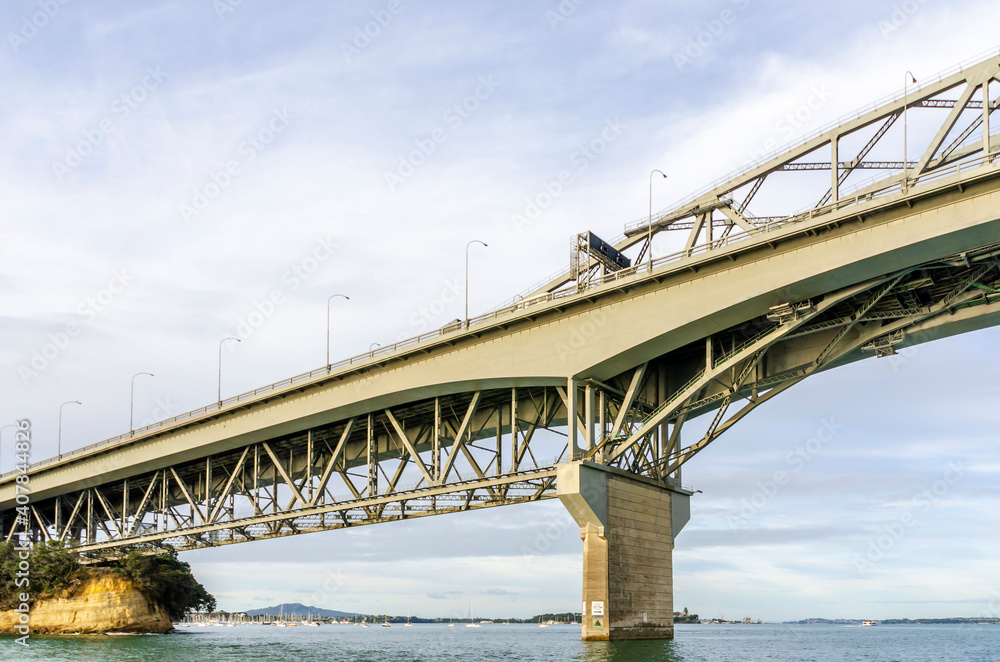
x=628, y=524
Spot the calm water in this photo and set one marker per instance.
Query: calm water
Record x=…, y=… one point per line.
x=527, y=643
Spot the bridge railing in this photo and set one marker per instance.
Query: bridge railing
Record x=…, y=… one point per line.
x=798, y=142
x=892, y=186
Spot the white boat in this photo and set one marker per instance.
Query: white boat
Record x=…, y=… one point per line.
x=540, y=624
x=868, y=623
x=472, y=618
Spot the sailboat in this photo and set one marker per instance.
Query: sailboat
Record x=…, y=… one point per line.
x=310, y=623
x=472, y=618
x=540, y=624
x=281, y=618
x=451, y=622
x=386, y=623
x=408, y=623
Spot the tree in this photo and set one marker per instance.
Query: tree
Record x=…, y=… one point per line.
x=51, y=568
x=167, y=581
x=163, y=579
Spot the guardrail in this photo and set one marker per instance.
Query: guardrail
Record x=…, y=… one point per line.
x=372, y=357
x=677, y=206
x=798, y=142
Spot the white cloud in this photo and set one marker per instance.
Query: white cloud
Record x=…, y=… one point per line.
x=324, y=176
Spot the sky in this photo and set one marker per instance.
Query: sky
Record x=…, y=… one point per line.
x=168, y=168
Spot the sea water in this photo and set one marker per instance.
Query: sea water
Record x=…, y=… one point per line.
x=526, y=643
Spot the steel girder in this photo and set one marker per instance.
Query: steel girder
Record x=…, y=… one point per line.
x=721, y=214
x=498, y=447
x=869, y=319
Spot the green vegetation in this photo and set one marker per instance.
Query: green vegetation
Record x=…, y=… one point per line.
x=167, y=581
x=163, y=579
x=685, y=617
x=52, y=568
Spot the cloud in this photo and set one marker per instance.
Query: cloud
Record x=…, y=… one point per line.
x=324, y=176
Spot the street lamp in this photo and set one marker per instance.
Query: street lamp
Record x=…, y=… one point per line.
x=328, y=302
x=371, y=350
x=474, y=241
x=649, y=239
x=220, y=364
x=59, y=440
x=9, y=425
x=909, y=78
x=131, y=406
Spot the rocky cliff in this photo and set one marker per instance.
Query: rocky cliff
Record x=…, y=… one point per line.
x=106, y=602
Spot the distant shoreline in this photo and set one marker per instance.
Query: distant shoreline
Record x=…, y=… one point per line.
x=897, y=621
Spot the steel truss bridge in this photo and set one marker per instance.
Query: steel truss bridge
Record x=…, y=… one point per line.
x=606, y=361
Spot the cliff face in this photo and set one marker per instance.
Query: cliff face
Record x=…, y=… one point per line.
x=105, y=603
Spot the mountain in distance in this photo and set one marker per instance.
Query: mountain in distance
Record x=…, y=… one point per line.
x=296, y=609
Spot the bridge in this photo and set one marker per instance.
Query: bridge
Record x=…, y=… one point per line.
x=580, y=388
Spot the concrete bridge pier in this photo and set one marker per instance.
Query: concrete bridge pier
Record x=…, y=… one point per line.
x=627, y=524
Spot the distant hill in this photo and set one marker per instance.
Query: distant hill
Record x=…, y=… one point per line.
x=296, y=609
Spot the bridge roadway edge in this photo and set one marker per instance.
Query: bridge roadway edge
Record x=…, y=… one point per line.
x=708, y=298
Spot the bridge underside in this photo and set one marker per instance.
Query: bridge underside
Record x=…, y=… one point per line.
x=462, y=452
x=499, y=410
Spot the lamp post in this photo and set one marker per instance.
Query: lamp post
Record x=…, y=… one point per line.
x=220, y=364
x=59, y=439
x=649, y=239
x=9, y=425
x=328, y=302
x=131, y=405
x=909, y=78
x=474, y=241
x=371, y=350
